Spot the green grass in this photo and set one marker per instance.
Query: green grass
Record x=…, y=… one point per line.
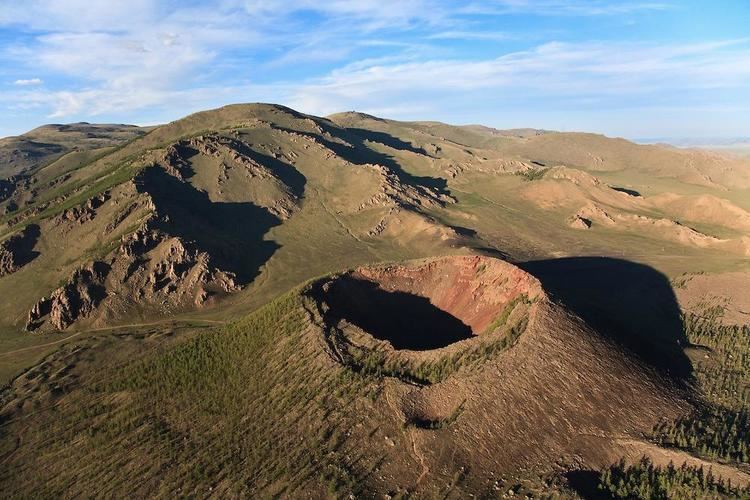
x=724, y=377
x=502, y=318
x=646, y=481
x=251, y=401
x=716, y=433
x=721, y=430
x=533, y=174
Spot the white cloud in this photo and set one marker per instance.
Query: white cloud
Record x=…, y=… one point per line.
x=167, y=58
x=28, y=82
x=77, y=15
x=562, y=7
x=469, y=35
x=138, y=53
x=586, y=74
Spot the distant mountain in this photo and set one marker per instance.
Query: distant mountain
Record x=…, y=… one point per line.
x=701, y=142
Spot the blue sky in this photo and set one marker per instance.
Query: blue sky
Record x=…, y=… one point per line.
x=672, y=68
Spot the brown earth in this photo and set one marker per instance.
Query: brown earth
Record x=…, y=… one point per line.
x=729, y=293
x=562, y=389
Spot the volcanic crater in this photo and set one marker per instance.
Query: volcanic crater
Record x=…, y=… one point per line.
x=427, y=304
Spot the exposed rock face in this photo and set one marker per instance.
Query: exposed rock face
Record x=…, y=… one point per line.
x=593, y=212
x=76, y=299
x=17, y=251
x=577, y=177
x=150, y=270
x=158, y=268
x=447, y=302
x=395, y=193
x=578, y=222
x=472, y=288
x=84, y=213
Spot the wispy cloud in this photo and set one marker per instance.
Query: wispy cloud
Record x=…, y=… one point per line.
x=26, y=82
x=562, y=7
x=546, y=83
x=469, y=35
x=163, y=58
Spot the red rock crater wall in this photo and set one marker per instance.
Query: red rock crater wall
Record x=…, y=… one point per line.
x=475, y=289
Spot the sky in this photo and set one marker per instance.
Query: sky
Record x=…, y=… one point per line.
x=636, y=69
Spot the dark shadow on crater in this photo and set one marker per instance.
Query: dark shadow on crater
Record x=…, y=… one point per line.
x=232, y=233
x=632, y=303
x=407, y=321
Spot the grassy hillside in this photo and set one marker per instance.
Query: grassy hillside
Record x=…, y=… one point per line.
x=265, y=407
x=140, y=271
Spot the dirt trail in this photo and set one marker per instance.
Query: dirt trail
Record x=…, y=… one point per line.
x=103, y=329
x=338, y=221
x=410, y=432
x=420, y=456
x=634, y=450
x=39, y=346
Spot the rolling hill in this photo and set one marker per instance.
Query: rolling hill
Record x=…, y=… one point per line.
x=251, y=301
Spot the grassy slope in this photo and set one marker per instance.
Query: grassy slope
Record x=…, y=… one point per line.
x=29, y=152
x=163, y=409
x=259, y=408
x=254, y=408
x=319, y=239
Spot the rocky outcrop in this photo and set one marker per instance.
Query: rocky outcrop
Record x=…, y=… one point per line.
x=151, y=270
x=664, y=228
x=578, y=222
x=574, y=175
x=18, y=250
x=76, y=299
x=81, y=214
x=593, y=212
x=161, y=269
x=395, y=193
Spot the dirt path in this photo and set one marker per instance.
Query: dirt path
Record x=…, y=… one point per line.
x=634, y=450
x=103, y=329
x=39, y=346
x=338, y=221
x=410, y=432
x=420, y=457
